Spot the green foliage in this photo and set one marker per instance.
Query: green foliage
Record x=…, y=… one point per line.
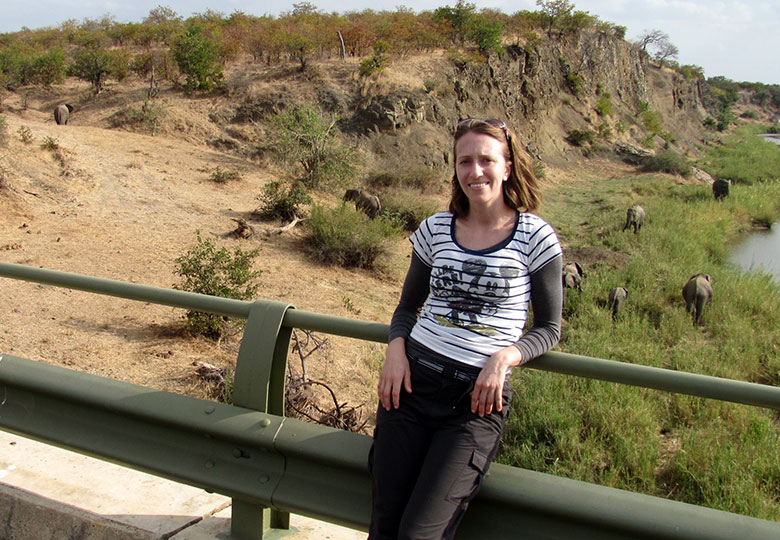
x=652, y=122
x=204, y=269
x=304, y=136
x=22, y=64
x=580, y=137
x=278, y=201
x=458, y=17
x=749, y=114
x=686, y=448
x=486, y=33
x=391, y=173
x=377, y=63
x=346, y=237
x=198, y=59
x=93, y=65
x=744, y=158
x=668, y=161
x=604, y=105
x=406, y=212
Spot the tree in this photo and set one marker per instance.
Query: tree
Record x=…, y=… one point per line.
x=198, y=58
x=305, y=137
x=555, y=12
x=93, y=65
x=651, y=37
x=666, y=51
x=458, y=17
x=487, y=35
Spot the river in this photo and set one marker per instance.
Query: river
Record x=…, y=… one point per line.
x=760, y=250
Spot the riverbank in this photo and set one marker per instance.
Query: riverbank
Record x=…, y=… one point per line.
x=703, y=452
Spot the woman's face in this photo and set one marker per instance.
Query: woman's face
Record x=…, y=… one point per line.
x=481, y=168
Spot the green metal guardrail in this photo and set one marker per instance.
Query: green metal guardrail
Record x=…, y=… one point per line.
x=249, y=452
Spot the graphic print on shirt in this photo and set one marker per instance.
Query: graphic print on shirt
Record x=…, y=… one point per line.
x=471, y=292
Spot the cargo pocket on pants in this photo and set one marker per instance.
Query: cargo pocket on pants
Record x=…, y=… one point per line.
x=466, y=485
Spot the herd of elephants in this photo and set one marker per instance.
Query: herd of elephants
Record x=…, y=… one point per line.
x=697, y=292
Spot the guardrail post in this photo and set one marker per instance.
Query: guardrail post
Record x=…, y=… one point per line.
x=258, y=384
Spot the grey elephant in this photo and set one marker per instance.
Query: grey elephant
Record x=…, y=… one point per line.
x=62, y=113
x=364, y=201
x=720, y=188
x=697, y=293
x=572, y=276
x=635, y=217
x=617, y=297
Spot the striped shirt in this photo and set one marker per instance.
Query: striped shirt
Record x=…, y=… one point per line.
x=478, y=301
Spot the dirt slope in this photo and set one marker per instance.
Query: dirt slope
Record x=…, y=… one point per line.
x=123, y=205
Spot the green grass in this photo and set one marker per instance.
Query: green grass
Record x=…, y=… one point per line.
x=705, y=452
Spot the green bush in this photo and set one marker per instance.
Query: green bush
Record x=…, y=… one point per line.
x=198, y=59
x=580, y=137
x=94, y=65
x=604, y=105
x=305, y=137
x=668, y=161
x=204, y=269
x=346, y=237
x=280, y=202
x=406, y=212
x=391, y=174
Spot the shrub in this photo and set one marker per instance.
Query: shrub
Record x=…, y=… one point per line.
x=396, y=175
x=579, y=137
x=3, y=131
x=25, y=135
x=198, y=59
x=204, y=269
x=345, y=237
x=278, y=202
x=668, y=161
x=652, y=121
x=604, y=105
x=50, y=143
x=406, y=212
x=376, y=63
x=750, y=114
x=221, y=176
x=305, y=137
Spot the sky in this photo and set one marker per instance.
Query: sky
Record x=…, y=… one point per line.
x=737, y=39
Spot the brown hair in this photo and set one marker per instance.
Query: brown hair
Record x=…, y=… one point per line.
x=521, y=190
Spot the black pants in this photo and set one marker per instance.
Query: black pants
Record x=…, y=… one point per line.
x=430, y=455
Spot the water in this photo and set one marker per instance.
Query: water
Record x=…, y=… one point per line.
x=771, y=137
x=759, y=251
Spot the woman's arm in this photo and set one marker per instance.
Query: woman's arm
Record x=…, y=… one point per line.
x=547, y=301
x=395, y=371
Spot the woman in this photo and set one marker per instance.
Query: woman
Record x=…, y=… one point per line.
x=457, y=333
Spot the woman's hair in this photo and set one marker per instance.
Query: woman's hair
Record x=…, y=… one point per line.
x=521, y=189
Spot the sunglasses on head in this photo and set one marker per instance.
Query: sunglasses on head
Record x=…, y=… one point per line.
x=495, y=122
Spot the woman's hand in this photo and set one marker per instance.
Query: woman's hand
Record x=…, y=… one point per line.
x=395, y=372
x=489, y=388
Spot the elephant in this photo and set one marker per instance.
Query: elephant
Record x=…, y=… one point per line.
x=697, y=293
x=617, y=297
x=367, y=202
x=572, y=276
x=720, y=188
x=62, y=113
x=635, y=217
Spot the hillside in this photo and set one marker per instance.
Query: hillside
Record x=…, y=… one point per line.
x=119, y=202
